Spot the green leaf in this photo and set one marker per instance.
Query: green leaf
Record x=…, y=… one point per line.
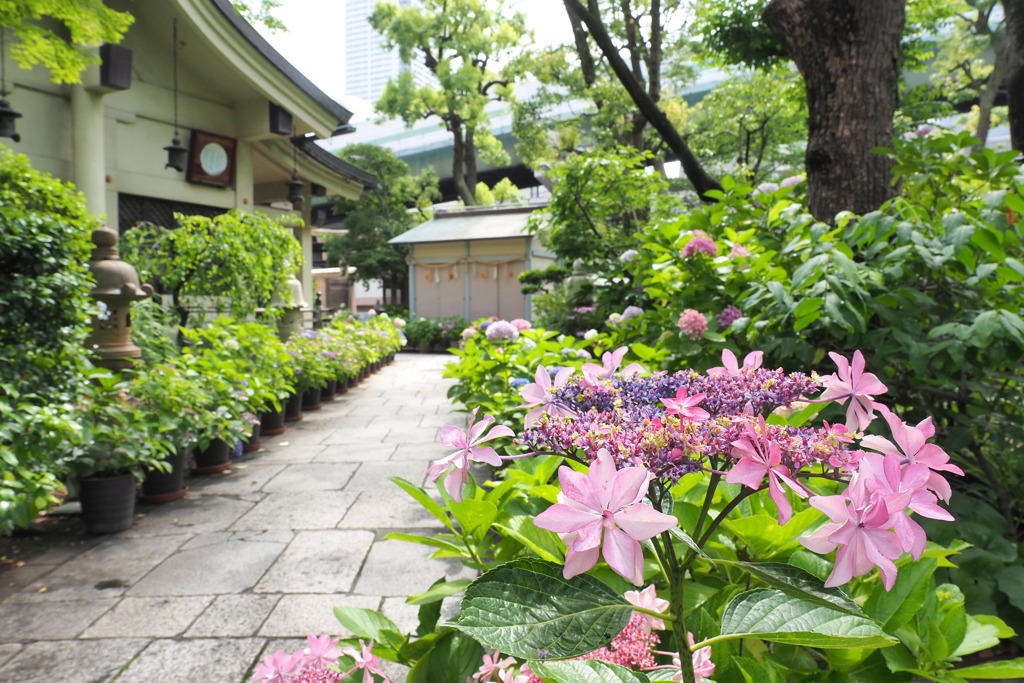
x=454, y=657
x=424, y=499
x=980, y=636
x=439, y=591
x=1009, y=669
x=798, y=584
x=543, y=542
x=364, y=623
x=774, y=616
x=898, y=606
x=586, y=671
x=526, y=609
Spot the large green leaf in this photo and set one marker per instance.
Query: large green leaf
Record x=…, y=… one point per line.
x=454, y=657
x=526, y=609
x=1009, y=669
x=799, y=584
x=586, y=671
x=364, y=623
x=896, y=607
x=774, y=616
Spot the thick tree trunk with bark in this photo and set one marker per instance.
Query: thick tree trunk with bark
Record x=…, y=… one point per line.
x=1014, y=12
x=459, y=157
x=848, y=53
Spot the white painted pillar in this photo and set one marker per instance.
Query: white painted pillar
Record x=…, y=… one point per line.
x=89, y=158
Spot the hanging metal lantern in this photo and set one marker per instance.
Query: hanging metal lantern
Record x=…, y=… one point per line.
x=177, y=155
x=295, y=188
x=7, y=119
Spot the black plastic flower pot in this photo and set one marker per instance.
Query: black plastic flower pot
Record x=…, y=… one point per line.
x=272, y=423
x=329, y=390
x=293, y=408
x=108, y=503
x=214, y=458
x=164, y=487
x=253, y=442
x=311, y=399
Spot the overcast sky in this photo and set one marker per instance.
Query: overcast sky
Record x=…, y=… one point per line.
x=314, y=41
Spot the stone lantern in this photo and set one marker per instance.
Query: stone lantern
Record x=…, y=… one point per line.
x=290, y=322
x=117, y=286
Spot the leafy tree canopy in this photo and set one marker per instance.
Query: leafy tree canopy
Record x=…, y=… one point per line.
x=398, y=203
x=61, y=50
x=467, y=45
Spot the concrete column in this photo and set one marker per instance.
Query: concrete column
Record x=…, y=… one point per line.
x=411, y=304
x=244, y=189
x=89, y=153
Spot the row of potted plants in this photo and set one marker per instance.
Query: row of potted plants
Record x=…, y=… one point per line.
x=205, y=401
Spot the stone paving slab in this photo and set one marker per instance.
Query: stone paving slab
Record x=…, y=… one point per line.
x=297, y=616
x=104, y=571
x=7, y=651
x=306, y=510
x=337, y=453
x=388, y=510
x=243, y=478
x=373, y=476
x=233, y=615
x=195, y=514
x=320, y=561
x=400, y=568
x=284, y=452
x=74, y=661
x=22, y=621
x=311, y=477
x=149, y=617
x=193, y=661
x=232, y=566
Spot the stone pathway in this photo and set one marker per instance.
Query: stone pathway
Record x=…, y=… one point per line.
x=250, y=561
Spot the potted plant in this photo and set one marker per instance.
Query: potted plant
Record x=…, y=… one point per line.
x=313, y=366
x=422, y=333
x=114, y=445
x=224, y=393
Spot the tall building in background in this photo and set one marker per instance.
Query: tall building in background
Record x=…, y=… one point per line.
x=368, y=65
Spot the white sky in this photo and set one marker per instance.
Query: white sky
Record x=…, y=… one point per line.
x=314, y=41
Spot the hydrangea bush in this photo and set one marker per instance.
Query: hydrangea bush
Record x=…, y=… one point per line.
x=635, y=446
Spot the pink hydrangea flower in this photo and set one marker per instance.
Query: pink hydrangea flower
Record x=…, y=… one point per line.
x=603, y=512
x=648, y=599
x=278, y=667
x=469, y=449
x=610, y=361
x=911, y=447
x=851, y=383
x=539, y=396
x=760, y=456
x=491, y=666
x=687, y=407
x=739, y=251
x=365, y=660
x=521, y=324
x=730, y=366
x=700, y=660
x=693, y=324
x=860, y=529
x=322, y=651
x=700, y=244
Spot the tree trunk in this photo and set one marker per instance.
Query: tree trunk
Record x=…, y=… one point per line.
x=471, y=177
x=467, y=196
x=700, y=179
x=848, y=52
x=1014, y=12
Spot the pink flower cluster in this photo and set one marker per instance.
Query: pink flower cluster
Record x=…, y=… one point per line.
x=700, y=244
x=693, y=324
x=310, y=664
x=667, y=426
